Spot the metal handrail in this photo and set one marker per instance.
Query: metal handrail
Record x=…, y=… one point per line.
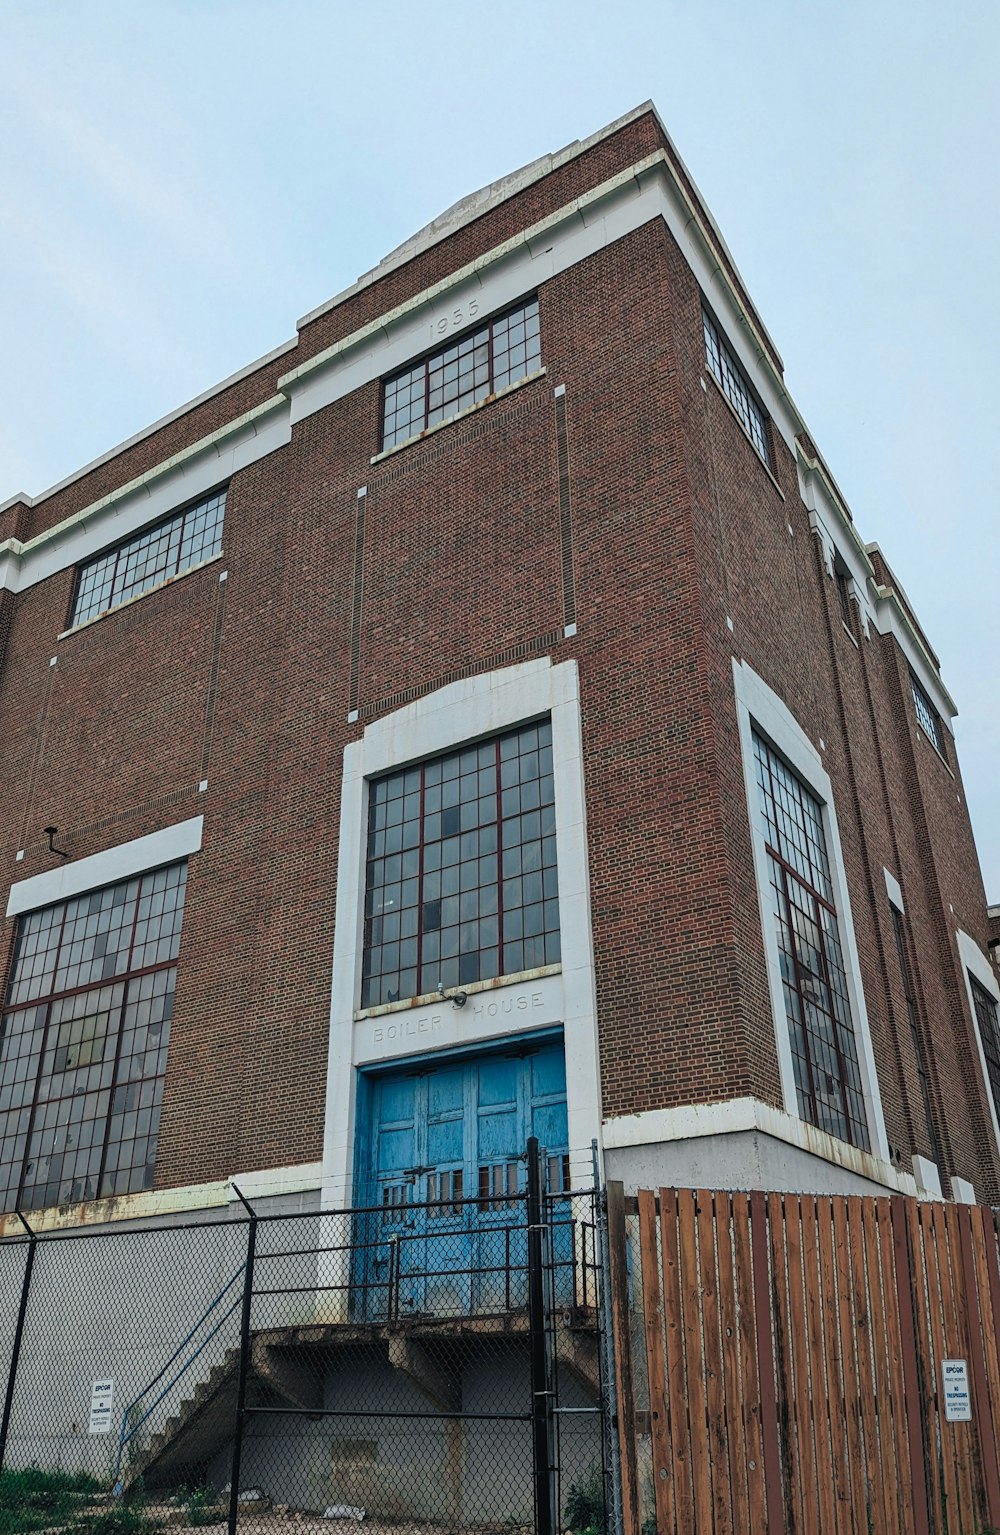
x=127, y=1432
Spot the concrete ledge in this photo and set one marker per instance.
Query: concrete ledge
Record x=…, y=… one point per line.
x=741, y=1144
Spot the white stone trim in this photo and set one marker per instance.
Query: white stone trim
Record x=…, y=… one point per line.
x=650, y=189
x=151, y=1205
x=928, y=1176
x=893, y=890
x=154, y=427
x=963, y=1192
x=831, y=521
x=510, y=271
x=193, y=472
x=106, y=868
x=974, y=962
x=759, y=706
x=739, y=1115
x=475, y=708
x=271, y=1182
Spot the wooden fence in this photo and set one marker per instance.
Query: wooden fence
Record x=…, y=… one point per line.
x=779, y=1364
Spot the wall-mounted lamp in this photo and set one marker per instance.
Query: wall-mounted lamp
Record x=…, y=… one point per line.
x=456, y=998
x=50, y=832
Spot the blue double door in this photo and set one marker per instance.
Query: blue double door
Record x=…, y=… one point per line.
x=443, y=1173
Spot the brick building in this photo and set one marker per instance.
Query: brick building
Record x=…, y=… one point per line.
x=446, y=721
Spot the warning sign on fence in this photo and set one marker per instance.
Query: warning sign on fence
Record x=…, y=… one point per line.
x=102, y=1394
x=957, y=1401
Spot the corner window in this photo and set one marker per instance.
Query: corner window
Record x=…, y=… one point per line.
x=814, y=980
x=495, y=355
x=461, y=869
x=927, y=716
x=83, y=1042
x=731, y=380
x=186, y=539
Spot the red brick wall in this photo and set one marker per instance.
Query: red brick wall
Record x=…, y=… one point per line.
x=676, y=526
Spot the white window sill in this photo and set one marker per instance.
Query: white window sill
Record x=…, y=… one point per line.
x=471, y=990
x=130, y=602
x=461, y=415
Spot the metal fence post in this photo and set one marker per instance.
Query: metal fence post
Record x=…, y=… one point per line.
x=241, y=1388
x=541, y=1396
x=15, y=1353
x=606, y=1355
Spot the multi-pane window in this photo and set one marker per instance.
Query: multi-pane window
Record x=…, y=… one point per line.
x=461, y=873
x=843, y=597
x=497, y=353
x=813, y=976
x=989, y=1033
x=83, y=1042
x=729, y=376
x=916, y=1034
x=927, y=716
x=171, y=547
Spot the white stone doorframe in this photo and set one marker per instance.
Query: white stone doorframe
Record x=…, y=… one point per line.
x=465, y=711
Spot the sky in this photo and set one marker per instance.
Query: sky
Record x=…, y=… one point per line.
x=181, y=180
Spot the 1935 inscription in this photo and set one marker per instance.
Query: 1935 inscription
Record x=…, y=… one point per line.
x=462, y=314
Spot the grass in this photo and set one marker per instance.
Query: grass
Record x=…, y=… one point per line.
x=32, y=1499
x=37, y=1500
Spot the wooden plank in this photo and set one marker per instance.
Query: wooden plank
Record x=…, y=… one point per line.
x=812, y=1279
x=906, y=1361
x=729, y=1325
x=834, y=1382
x=802, y=1456
x=866, y=1401
x=765, y=1354
x=714, y=1367
x=622, y=1342
x=982, y=1360
x=958, y=1347
x=925, y=1368
x=673, y=1316
x=655, y=1369
x=847, y=1332
x=986, y=1247
x=939, y=1344
x=695, y=1360
x=989, y=1223
x=890, y=1439
x=750, y=1374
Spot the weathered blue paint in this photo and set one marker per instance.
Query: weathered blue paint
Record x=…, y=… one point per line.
x=440, y=1129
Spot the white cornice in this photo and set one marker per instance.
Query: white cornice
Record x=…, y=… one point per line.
x=22, y=498
x=187, y=474
x=653, y=187
x=893, y=618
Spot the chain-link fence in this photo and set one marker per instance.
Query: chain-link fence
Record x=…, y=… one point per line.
x=410, y=1366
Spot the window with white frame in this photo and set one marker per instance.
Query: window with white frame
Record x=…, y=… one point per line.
x=813, y=973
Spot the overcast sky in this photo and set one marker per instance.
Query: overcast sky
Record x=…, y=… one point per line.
x=180, y=180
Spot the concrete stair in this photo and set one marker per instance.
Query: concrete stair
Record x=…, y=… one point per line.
x=287, y=1367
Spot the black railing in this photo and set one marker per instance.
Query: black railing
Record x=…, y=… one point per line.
x=346, y=1366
